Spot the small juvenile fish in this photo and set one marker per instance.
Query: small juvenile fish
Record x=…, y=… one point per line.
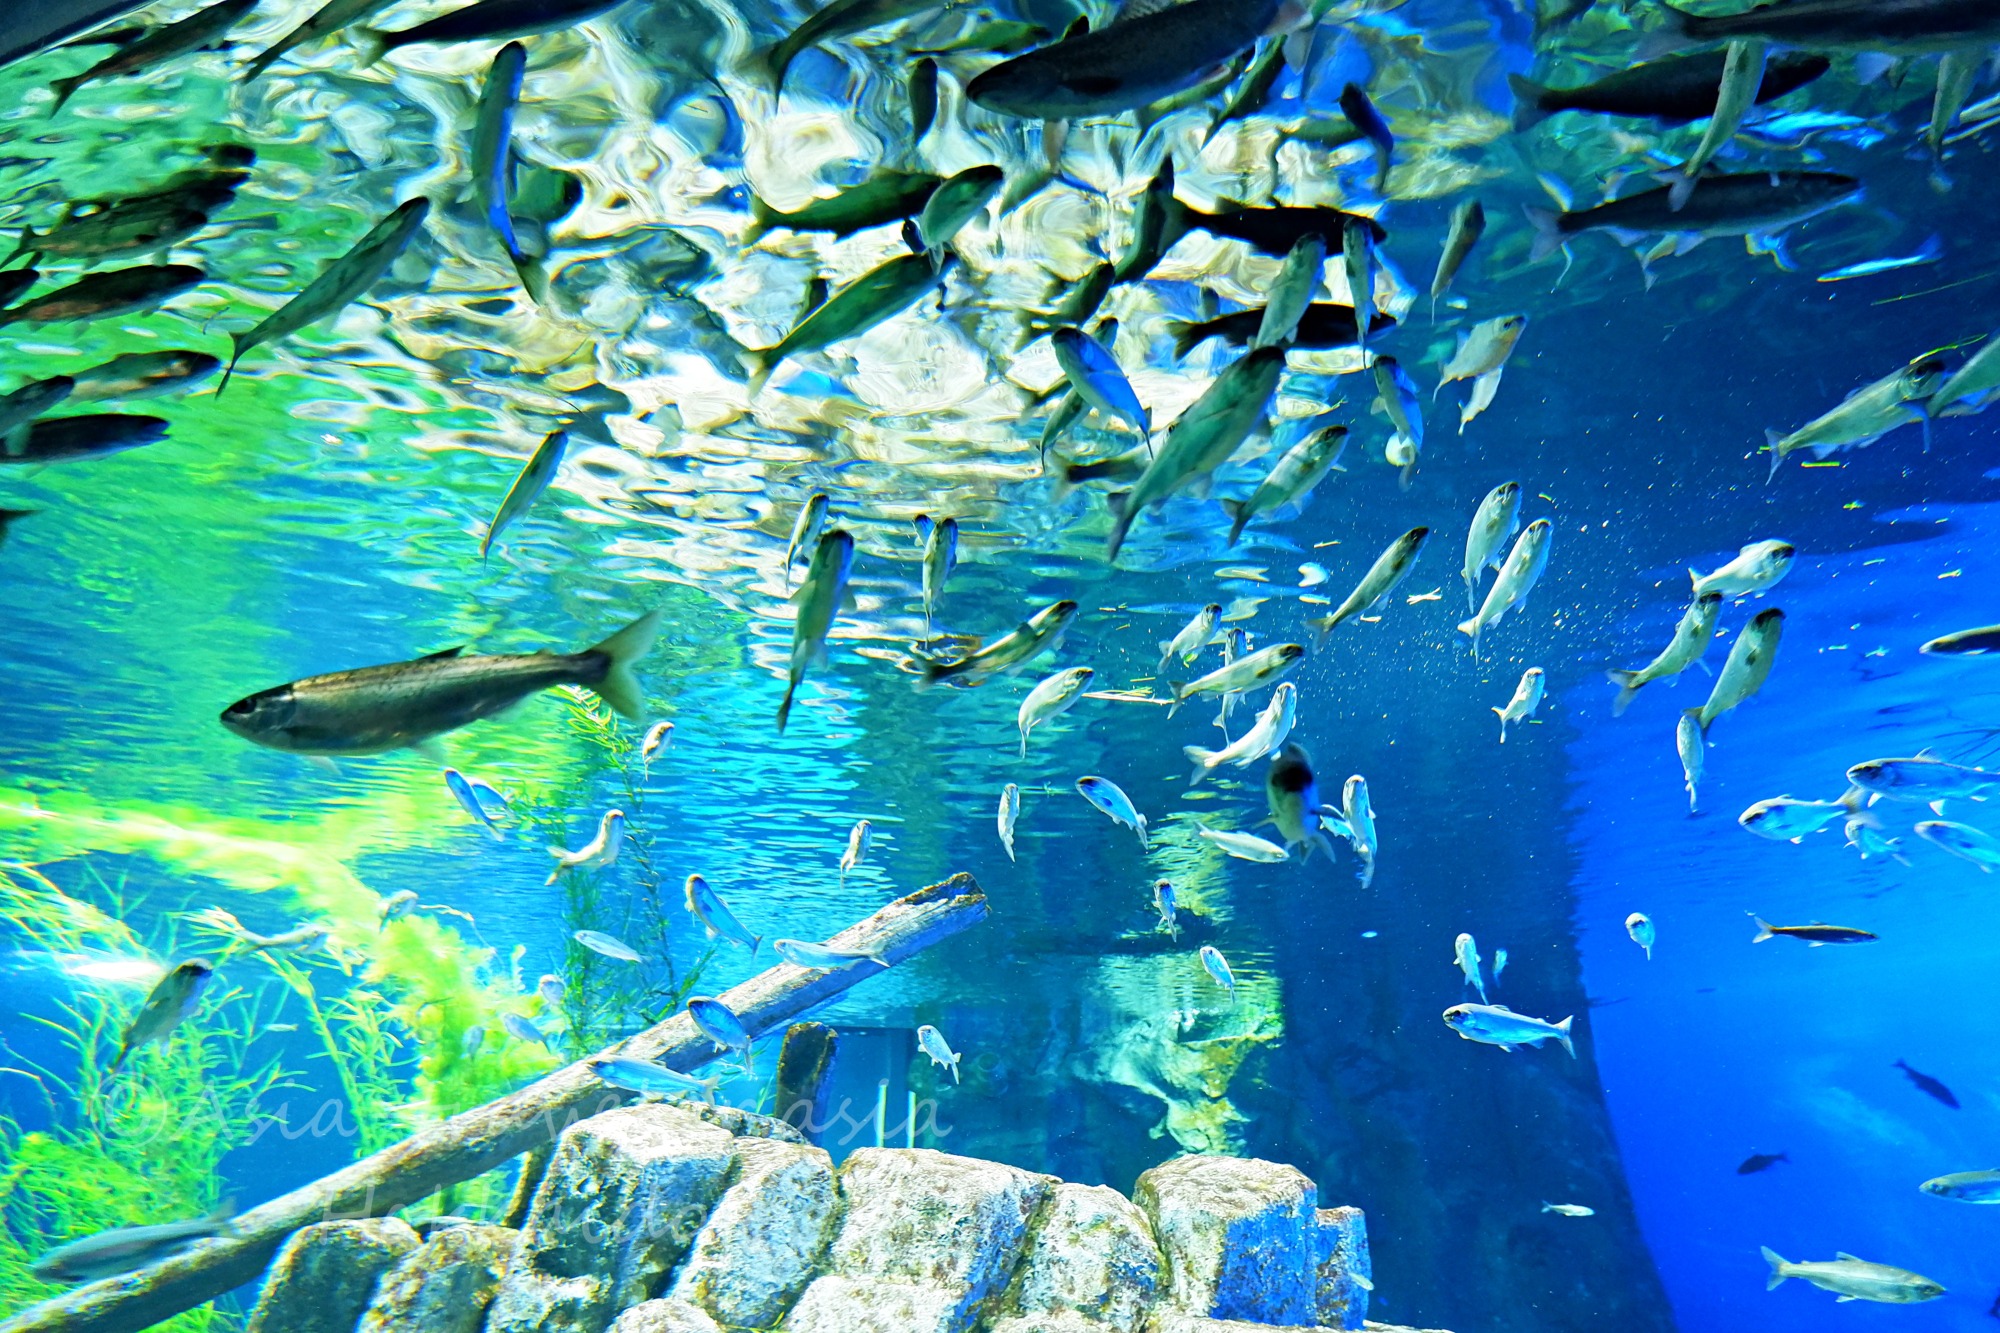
x=1690, y=641
x=1815, y=934
x=1465, y=952
x=818, y=599
x=110, y=1253
x=719, y=1023
x=1164, y=904
x=1401, y=403
x=1009, y=813
x=1497, y=518
x=1963, y=841
x=1499, y=964
x=171, y=1002
x=600, y=851
x=1357, y=825
x=142, y=375
x=117, y=291
x=1850, y=1278
x=932, y=1043
x=1930, y=252
x=1640, y=927
x=1246, y=846
x=858, y=838
x=1291, y=292
x=1096, y=377
x=1273, y=725
x=470, y=1043
x=1756, y=568
x=1106, y=796
x=1743, y=674
x=805, y=531
x=708, y=907
x=463, y=791
x=954, y=203
x=878, y=295
x=1690, y=745
x=342, y=282
x=204, y=27
x=648, y=1077
x=533, y=479
x=328, y=19
x=1357, y=249
x=1297, y=472
x=608, y=946
x=523, y=1029
x=1383, y=577
x=1518, y=576
x=1468, y=224
x=1786, y=819
x=396, y=906
x=1964, y=643
x=1527, y=698
x=1864, y=834
x=659, y=736
x=1965, y=1186
x=1193, y=637
x=1051, y=698
x=1483, y=349
x=940, y=556
x=492, y=164
x=552, y=990
x=1361, y=114
x=1930, y=1086
x=1760, y=1161
x=1217, y=966
x=1041, y=632
x=1568, y=1209
x=1263, y=667
x=1497, y=1025
x=804, y=953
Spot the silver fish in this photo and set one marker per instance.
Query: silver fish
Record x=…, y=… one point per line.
x=171, y=1002
x=523, y=1029
x=1963, y=841
x=1527, y=698
x=1787, y=819
x=1750, y=660
x=1299, y=470
x=1468, y=224
x=858, y=839
x=1357, y=825
x=659, y=736
x=954, y=203
x=818, y=599
x=533, y=479
x=1758, y=567
x=1217, y=966
x=1644, y=934
x=805, y=531
x=645, y=1076
x=1483, y=349
x=1465, y=952
x=1688, y=743
x=1041, y=632
x=1690, y=641
x=110, y=1253
x=932, y=1043
x=1009, y=813
x=805, y=953
x=1965, y=1186
x=600, y=852
x=1389, y=570
x=1106, y=796
x=1497, y=1025
x=1925, y=780
x=1291, y=292
x=1192, y=637
x=1357, y=245
x=1263, y=667
x=1866, y=415
x=1742, y=77
x=1273, y=725
x=708, y=907
x=876, y=296
x=1497, y=518
x=1051, y=698
x=608, y=946
x=940, y=556
x=1246, y=846
x=1850, y=1278
x=1096, y=377
x=1518, y=575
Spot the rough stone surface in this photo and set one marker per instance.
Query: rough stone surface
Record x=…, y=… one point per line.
x=1240, y=1238
x=1045, y=1323
x=766, y=1236
x=1342, y=1249
x=622, y=1199
x=1374, y=1327
x=743, y=1124
x=322, y=1279
x=665, y=1317
x=1092, y=1253
x=925, y=1217
x=836, y=1304
x=445, y=1285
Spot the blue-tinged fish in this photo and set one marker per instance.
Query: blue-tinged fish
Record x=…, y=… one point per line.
x=469, y=799
x=1298, y=470
x=492, y=159
x=1213, y=963
x=1787, y=819
x=486, y=21
x=171, y=1002
x=552, y=990
x=1165, y=905
x=1518, y=576
x=1095, y=376
x=720, y=1024
x=523, y=1029
x=858, y=839
x=1008, y=815
x=807, y=954
x=1643, y=932
x=1291, y=293
x=1357, y=246
x=1528, y=694
x=1291, y=794
x=818, y=599
x=1930, y=252
x=1923, y=780
x=405, y=704
x=110, y=1253
x=607, y=946
x=1675, y=89
x=653, y=1079
x=1361, y=114
x=343, y=281
x=1690, y=745
x=1465, y=952
x=1963, y=841
x=1108, y=797
x=1497, y=1025
x=1246, y=846
x=932, y=1043
x=709, y=908
x=533, y=478
x=1131, y=63
x=1965, y=1186
x=1497, y=518
x=1929, y=1086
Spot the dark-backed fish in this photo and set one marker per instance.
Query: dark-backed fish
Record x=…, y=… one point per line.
x=1925, y=1083
x=110, y=1253
x=118, y=291
x=1676, y=89
x=1324, y=326
x=170, y=41
x=1751, y=203
x=1900, y=27
x=489, y=20
x=58, y=439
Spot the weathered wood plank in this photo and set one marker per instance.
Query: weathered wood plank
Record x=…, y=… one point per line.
x=476, y=1141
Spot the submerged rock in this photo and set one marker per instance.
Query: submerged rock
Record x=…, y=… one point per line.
x=445, y=1286
x=865, y=1305
x=665, y=1317
x=765, y=1237
x=743, y=1124
x=1091, y=1253
x=1241, y=1238
x=323, y=1278
x=621, y=1201
x=1344, y=1270
x=920, y=1216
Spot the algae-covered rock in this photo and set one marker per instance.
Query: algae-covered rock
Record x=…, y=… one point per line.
x=743, y=1124
x=665, y=1317
x=1240, y=1237
x=1374, y=1327
x=618, y=1206
x=1344, y=1268
x=836, y=1304
x=445, y=1285
x=765, y=1237
x=1045, y=1323
x=915, y=1215
x=1092, y=1253
x=323, y=1278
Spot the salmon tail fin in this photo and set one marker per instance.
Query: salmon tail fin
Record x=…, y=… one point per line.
x=1529, y=100
x=1764, y=931
x=1187, y=336
x=1203, y=760
x=1628, y=684
x=1562, y=1030
x=1239, y=514
x=64, y=89
x=1549, y=236
x=1778, y=1266
x=237, y=347
x=619, y=687
x=1470, y=628
x=1774, y=442
x=369, y=45
x=1501, y=713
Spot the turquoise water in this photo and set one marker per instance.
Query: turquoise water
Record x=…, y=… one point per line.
x=326, y=512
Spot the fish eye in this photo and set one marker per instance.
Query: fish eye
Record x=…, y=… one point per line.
x=241, y=708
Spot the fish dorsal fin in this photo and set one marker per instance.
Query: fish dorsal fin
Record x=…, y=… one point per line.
x=440, y=656
x=1854, y=1259
x=1138, y=9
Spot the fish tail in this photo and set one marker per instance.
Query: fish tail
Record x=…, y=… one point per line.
x=1501, y=713
x=1141, y=828
x=1764, y=931
x=1186, y=335
x=1530, y=103
x=1774, y=442
x=954, y=1065
x=1548, y=232
x=1239, y=513
x=1124, y=512
x=756, y=943
x=237, y=347
x=1665, y=41
x=618, y=686
x=1682, y=188
x=1628, y=684
x=1203, y=760
x=1562, y=1032
x=772, y=62
x=369, y=45
x=1179, y=693
x=1778, y=1266
x=534, y=279
x=785, y=709
x=64, y=89
x=1024, y=742
x=1471, y=627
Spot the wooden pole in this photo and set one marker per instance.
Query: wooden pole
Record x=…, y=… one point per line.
x=474, y=1142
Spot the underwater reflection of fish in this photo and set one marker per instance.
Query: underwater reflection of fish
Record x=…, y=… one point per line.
x=170, y=1004
x=1930, y=1086
x=110, y=1253
x=406, y=704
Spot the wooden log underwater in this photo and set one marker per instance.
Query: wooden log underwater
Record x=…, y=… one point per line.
x=474, y=1142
